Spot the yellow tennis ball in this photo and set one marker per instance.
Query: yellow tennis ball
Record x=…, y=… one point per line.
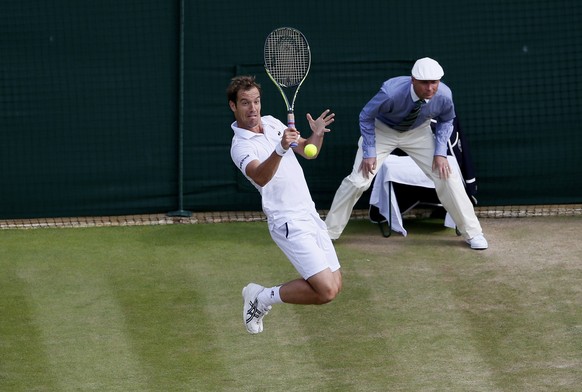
x=310, y=150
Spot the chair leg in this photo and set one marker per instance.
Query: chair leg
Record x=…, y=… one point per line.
x=387, y=232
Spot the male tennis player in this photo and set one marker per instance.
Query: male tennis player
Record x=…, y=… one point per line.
x=399, y=116
x=260, y=149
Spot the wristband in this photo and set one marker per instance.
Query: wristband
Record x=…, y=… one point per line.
x=280, y=150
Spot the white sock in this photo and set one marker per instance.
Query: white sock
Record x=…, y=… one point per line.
x=270, y=296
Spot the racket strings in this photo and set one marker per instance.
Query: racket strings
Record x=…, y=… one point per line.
x=287, y=57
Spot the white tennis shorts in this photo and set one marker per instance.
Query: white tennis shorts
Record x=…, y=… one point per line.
x=307, y=245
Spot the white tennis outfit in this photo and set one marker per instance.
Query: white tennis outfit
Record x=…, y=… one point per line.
x=293, y=221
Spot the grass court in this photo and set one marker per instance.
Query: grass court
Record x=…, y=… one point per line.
x=158, y=308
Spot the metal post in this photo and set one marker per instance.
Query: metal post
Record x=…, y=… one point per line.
x=181, y=211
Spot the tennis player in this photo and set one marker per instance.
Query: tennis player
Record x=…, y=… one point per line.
x=399, y=116
x=260, y=149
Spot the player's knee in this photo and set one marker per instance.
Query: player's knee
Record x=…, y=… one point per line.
x=328, y=294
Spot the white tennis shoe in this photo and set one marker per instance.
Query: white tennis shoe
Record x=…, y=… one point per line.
x=253, y=312
x=478, y=242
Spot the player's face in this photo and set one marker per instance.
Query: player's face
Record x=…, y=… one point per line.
x=247, y=109
x=425, y=89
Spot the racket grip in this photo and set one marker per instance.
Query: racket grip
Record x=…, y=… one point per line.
x=291, y=124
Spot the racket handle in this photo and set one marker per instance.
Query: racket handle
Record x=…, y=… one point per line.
x=291, y=124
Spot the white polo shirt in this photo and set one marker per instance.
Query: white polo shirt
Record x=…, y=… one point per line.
x=286, y=197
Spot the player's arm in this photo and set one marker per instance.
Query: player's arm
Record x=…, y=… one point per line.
x=263, y=172
x=319, y=128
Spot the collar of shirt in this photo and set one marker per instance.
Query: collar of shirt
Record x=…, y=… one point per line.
x=242, y=132
x=269, y=129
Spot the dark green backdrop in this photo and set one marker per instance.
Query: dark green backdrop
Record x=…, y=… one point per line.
x=98, y=96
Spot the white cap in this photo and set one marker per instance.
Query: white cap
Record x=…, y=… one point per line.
x=427, y=69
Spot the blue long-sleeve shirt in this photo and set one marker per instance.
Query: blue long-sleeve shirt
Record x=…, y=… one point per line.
x=395, y=100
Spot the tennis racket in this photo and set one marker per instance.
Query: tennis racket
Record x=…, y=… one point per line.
x=287, y=62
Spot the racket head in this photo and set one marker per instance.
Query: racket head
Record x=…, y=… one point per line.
x=287, y=56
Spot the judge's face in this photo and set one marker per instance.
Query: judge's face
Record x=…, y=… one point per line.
x=425, y=89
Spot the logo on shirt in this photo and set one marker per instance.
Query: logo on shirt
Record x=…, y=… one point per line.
x=240, y=165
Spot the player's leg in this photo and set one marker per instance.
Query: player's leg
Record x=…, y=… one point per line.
x=309, y=248
x=319, y=289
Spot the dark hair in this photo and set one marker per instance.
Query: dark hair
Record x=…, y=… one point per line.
x=241, y=83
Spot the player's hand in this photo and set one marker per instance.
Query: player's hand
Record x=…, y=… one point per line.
x=319, y=125
x=289, y=136
x=368, y=167
x=440, y=164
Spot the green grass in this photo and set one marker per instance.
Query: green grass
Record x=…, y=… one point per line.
x=158, y=308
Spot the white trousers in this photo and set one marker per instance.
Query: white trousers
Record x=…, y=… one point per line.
x=419, y=144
